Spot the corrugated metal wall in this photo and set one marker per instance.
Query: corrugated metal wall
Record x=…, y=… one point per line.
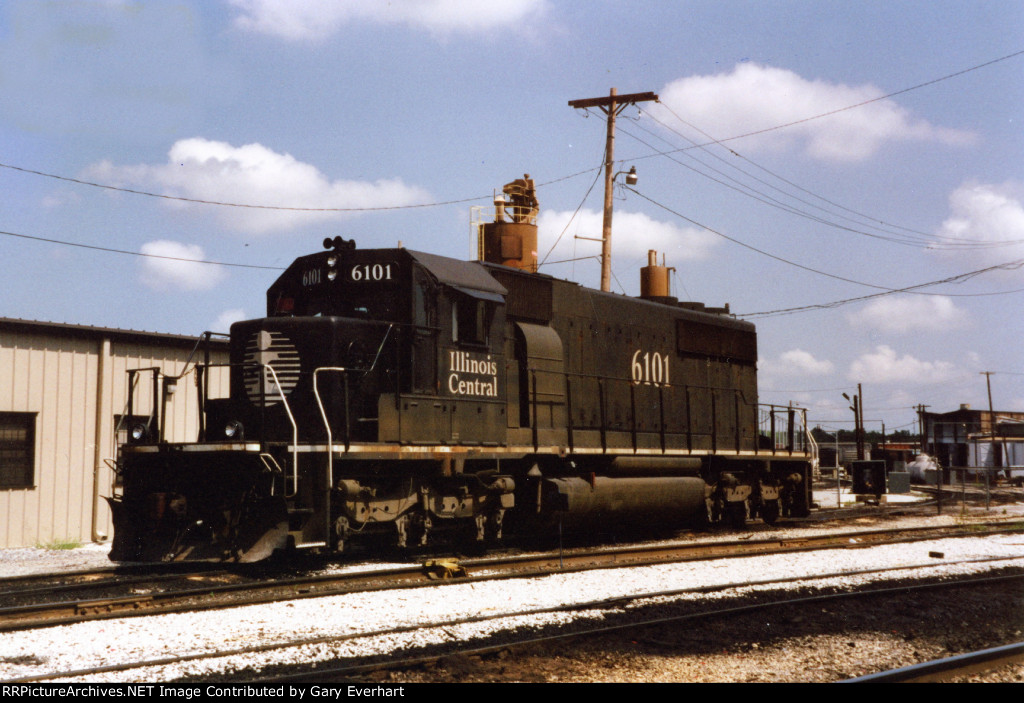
x=76, y=384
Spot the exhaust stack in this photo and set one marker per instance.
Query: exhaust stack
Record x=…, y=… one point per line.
x=654, y=280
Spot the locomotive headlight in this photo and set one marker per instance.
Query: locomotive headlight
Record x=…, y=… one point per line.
x=332, y=261
x=332, y=274
x=234, y=430
x=138, y=432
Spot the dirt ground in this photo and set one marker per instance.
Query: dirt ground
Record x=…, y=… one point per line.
x=809, y=643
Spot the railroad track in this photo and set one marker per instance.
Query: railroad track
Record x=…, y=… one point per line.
x=608, y=617
x=28, y=581
x=949, y=668
x=208, y=595
x=35, y=589
x=930, y=671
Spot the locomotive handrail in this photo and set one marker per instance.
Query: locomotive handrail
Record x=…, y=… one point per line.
x=536, y=422
x=652, y=384
x=295, y=430
x=786, y=424
x=323, y=411
x=267, y=460
x=126, y=413
x=330, y=435
x=205, y=336
x=327, y=425
x=791, y=425
x=380, y=348
x=155, y=415
x=813, y=445
x=201, y=385
x=781, y=428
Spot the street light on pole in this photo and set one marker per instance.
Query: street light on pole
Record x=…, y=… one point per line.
x=858, y=420
x=611, y=106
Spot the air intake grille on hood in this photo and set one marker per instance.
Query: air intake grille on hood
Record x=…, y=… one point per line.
x=264, y=348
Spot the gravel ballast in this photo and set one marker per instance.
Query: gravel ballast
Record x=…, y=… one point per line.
x=731, y=651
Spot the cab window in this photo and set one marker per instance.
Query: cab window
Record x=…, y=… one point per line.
x=471, y=320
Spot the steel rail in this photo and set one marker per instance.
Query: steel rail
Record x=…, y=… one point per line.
x=604, y=603
x=17, y=581
x=332, y=673
x=223, y=596
x=950, y=667
x=93, y=580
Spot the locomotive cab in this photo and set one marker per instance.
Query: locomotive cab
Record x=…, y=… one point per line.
x=385, y=345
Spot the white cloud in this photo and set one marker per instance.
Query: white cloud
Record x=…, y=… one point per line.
x=255, y=175
x=799, y=361
x=884, y=365
x=795, y=362
x=318, y=19
x=226, y=319
x=910, y=314
x=755, y=97
x=992, y=215
x=169, y=274
x=634, y=234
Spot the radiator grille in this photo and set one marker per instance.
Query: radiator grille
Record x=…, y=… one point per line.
x=264, y=348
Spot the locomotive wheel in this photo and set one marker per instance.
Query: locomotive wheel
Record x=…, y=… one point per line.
x=716, y=509
x=770, y=511
x=736, y=514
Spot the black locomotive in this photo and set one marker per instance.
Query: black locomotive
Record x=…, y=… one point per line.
x=395, y=395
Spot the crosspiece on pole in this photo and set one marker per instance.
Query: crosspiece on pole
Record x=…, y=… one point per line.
x=611, y=106
x=608, y=100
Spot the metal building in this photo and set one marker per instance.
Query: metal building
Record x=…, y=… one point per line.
x=975, y=438
x=63, y=403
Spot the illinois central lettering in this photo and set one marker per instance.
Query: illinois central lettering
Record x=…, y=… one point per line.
x=470, y=375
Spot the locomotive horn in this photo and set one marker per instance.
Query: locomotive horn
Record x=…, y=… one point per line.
x=339, y=243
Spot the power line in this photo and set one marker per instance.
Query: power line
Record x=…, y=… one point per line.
x=914, y=238
x=759, y=196
x=471, y=199
x=805, y=390
x=910, y=289
x=868, y=102
x=886, y=290
x=200, y=201
x=137, y=253
x=576, y=212
x=755, y=249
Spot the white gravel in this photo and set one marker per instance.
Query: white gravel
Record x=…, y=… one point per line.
x=36, y=560
x=147, y=638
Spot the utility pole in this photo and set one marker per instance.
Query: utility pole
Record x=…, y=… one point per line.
x=883, y=449
x=611, y=106
x=938, y=473
x=997, y=453
x=921, y=426
x=858, y=421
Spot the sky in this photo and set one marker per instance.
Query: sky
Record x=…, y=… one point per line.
x=806, y=163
